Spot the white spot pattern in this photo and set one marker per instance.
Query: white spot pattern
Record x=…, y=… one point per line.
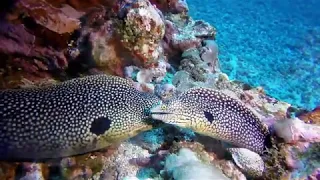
x=232, y=121
x=48, y=121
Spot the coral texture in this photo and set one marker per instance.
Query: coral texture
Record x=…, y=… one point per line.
x=142, y=31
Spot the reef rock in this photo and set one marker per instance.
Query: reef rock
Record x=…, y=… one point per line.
x=16, y=40
x=294, y=130
x=146, y=77
x=210, y=152
x=165, y=91
x=119, y=165
x=106, y=49
x=171, y=6
x=191, y=35
x=209, y=54
x=192, y=63
x=142, y=30
x=34, y=37
x=303, y=161
x=311, y=117
x=48, y=16
x=52, y=25
x=155, y=74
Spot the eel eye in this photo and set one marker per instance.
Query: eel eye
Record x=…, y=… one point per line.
x=163, y=107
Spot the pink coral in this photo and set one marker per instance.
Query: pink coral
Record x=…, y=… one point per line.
x=315, y=175
x=151, y=161
x=145, y=77
x=144, y=87
x=292, y=160
x=33, y=171
x=295, y=130
x=156, y=74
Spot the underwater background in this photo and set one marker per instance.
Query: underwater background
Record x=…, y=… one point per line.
x=273, y=44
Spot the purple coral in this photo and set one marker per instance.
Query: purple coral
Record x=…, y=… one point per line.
x=178, y=6
x=295, y=130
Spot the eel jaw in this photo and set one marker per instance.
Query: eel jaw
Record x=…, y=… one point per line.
x=168, y=117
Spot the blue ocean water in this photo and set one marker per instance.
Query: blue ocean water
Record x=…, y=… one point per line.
x=269, y=43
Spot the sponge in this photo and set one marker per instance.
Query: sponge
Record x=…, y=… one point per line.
x=186, y=166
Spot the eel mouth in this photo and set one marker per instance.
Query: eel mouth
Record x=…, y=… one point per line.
x=161, y=116
x=160, y=113
x=165, y=116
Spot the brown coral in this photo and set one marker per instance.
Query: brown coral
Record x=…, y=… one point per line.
x=7, y=170
x=107, y=51
x=49, y=24
x=48, y=16
x=18, y=49
x=311, y=117
x=142, y=31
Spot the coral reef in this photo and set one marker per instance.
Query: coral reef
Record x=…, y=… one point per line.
x=295, y=130
x=142, y=30
x=303, y=161
x=16, y=40
x=311, y=117
x=210, y=151
x=183, y=165
x=49, y=17
x=188, y=35
x=175, y=6
x=209, y=54
x=105, y=49
x=165, y=91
